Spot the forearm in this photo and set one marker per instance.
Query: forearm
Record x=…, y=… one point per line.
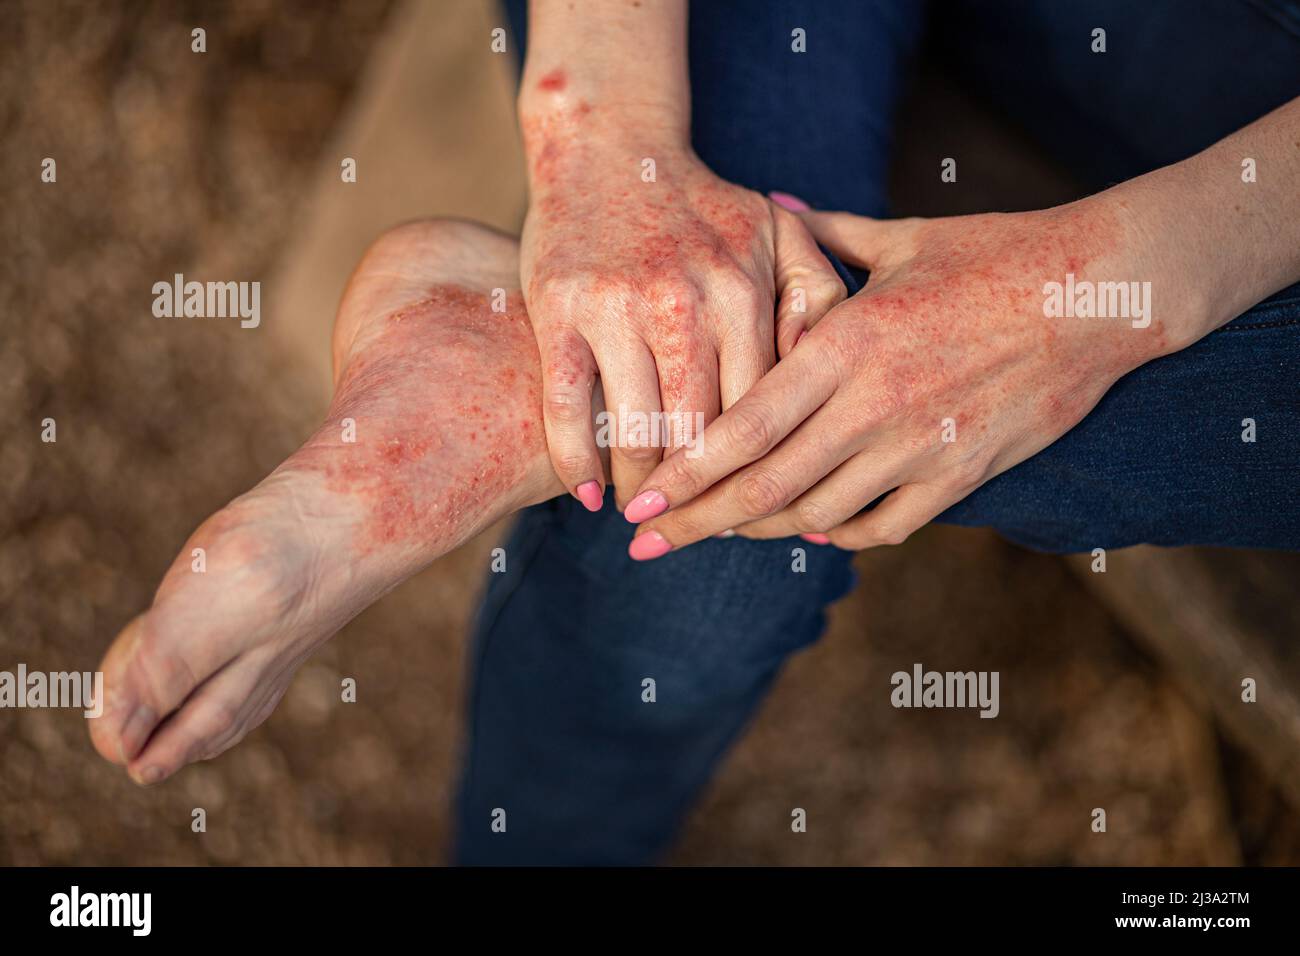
x=600, y=63
x=1220, y=243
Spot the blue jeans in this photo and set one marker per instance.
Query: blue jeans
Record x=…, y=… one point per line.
x=561, y=736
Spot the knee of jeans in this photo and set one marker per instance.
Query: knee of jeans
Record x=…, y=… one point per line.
x=731, y=604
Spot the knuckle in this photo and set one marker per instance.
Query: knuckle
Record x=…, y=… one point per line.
x=679, y=476
x=673, y=301
x=871, y=534
x=917, y=442
x=566, y=406
x=892, y=534
x=753, y=428
x=833, y=290
x=853, y=539
x=563, y=293
x=740, y=293
x=813, y=516
x=761, y=493
x=824, y=291
x=967, y=473
x=887, y=401
x=572, y=466
x=640, y=455
x=682, y=527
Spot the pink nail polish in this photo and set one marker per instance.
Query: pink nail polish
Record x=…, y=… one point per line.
x=646, y=506
x=817, y=538
x=646, y=547
x=786, y=201
x=729, y=533
x=589, y=494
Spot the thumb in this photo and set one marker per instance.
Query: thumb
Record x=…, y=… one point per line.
x=807, y=286
x=857, y=240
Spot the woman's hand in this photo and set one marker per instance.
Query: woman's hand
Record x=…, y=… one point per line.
x=952, y=365
x=641, y=266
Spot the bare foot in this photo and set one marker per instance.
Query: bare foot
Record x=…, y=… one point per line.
x=435, y=432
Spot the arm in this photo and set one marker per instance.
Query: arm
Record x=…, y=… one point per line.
x=1227, y=242
x=627, y=61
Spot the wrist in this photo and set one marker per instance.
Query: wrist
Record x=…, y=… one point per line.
x=570, y=134
x=1178, y=301
x=616, y=60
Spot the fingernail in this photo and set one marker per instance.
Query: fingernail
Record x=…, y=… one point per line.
x=799, y=338
x=817, y=538
x=786, y=201
x=589, y=494
x=135, y=731
x=646, y=506
x=729, y=533
x=645, y=547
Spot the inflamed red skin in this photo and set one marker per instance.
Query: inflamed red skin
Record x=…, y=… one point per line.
x=671, y=285
x=442, y=396
x=942, y=373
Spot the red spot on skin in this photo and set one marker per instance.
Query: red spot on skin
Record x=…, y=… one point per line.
x=439, y=440
x=554, y=81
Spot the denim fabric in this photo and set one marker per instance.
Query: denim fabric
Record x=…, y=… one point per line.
x=1161, y=459
x=559, y=735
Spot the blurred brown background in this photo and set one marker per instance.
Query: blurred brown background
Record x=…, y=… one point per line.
x=1122, y=694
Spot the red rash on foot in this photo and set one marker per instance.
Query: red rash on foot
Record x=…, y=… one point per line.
x=445, y=419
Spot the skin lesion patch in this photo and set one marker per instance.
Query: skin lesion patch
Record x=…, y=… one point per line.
x=553, y=82
x=443, y=420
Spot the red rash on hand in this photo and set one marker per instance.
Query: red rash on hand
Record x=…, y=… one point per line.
x=553, y=82
x=968, y=307
x=447, y=401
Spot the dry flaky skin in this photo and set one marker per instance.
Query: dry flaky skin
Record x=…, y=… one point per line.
x=951, y=329
x=676, y=288
x=443, y=394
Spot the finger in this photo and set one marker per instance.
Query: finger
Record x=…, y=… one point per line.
x=835, y=499
x=764, y=488
x=747, y=431
x=743, y=359
x=807, y=286
x=631, y=386
x=747, y=350
x=688, y=391
x=568, y=375
x=857, y=240
x=894, y=519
